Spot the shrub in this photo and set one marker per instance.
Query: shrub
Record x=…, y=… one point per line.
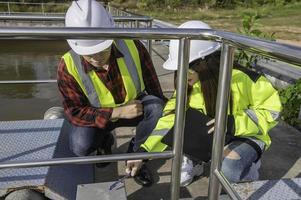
x=291, y=101
x=249, y=28
x=291, y=96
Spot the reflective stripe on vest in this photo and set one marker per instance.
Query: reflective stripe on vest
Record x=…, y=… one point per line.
x=130, y=64
x=86, y=80
x=153, y=142
x=95, y=90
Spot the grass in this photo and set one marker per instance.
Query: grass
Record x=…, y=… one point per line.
x=49, y=7
x=285, y=21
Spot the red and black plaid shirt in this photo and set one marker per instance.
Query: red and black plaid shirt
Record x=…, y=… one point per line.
x=76, y=105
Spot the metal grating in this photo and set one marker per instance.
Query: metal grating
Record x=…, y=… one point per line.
x=100, y=191
x=35, y=140
x=283, y=189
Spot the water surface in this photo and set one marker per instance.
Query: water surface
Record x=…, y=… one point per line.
x=29, y=60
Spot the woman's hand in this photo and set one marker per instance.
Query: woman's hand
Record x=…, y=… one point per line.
x=133, y=166
x=211, y=123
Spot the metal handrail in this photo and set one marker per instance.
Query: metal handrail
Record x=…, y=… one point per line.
x=135, y=19
x=230, y=41
x=32, y=3
x=85, y=160
x=22, y=17
x=27, y=81
x=270, y=49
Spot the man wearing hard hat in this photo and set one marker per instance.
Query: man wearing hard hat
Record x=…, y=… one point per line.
x=106, y=84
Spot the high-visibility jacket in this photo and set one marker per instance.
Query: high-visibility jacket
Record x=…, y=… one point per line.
x=95, y=90
x=256, y=107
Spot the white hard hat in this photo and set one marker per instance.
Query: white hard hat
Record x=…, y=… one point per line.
x=198, y=48
x=88, y=13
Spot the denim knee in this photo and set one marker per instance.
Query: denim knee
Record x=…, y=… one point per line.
x=153, y=107
x=82, y=140
x=80, y=150
x=235, y=169
x=232, y=169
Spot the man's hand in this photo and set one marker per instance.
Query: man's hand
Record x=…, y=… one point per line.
x=211, y=123
x=133, y=166
x=131, y=110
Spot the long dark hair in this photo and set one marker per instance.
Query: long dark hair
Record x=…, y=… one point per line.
x=208, y=72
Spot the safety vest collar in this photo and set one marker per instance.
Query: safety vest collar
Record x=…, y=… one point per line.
x=94, y=88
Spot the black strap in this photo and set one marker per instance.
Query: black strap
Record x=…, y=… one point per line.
x=253, y=144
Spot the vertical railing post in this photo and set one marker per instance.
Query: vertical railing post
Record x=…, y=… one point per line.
x=180, y=117
x=43, y=11
x=137, y=23
x=149, y=42
x=8, y=8
x=221, y=109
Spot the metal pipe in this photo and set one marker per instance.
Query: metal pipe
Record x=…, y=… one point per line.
x=133, y=18
x=28, y=81
x=227, y=186
x=85, y=160
x=104, y=33
x=270, y=49
x=8, y=7
x=222, y=99
x=22, y=17
x=137, y=23
x=180, y=117
x=149, y=42
x=43, y=11
x=31, y=3
x=279, y=68
x=286, y=53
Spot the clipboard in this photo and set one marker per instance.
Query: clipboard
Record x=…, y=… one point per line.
x=197, y=141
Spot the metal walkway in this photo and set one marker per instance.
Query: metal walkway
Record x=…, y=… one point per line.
x=37, y=140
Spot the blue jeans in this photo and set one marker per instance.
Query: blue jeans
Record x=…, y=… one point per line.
x=244, y=168
x=85, y=140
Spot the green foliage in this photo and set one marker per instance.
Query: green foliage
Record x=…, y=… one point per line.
x=34, y=7
x=250, y=28
x=225, y=3
x=212, y=3
x=145, y=4
x=291, y=101
x=291, y=96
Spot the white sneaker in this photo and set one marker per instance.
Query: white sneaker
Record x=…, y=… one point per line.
x=188, y=171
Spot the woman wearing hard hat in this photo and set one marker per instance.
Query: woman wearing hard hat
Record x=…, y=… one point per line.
x=105, y=84
x=253, y=111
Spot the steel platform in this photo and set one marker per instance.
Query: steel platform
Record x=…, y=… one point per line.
x=36, y=140
x=101, y=191
x=283, y=189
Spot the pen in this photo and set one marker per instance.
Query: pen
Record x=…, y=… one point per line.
x=119, y=181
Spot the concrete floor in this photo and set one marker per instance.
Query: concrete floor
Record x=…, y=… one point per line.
x=282, y=160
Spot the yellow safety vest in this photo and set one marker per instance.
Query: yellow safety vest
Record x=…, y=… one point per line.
x=256, y=108
x=102, y=94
